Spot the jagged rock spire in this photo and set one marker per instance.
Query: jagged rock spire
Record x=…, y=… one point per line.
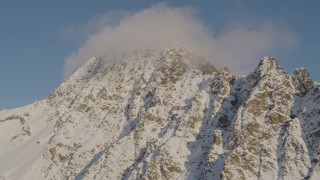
x=302, y=79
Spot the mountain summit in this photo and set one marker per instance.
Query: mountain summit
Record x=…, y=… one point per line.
x=168, y=115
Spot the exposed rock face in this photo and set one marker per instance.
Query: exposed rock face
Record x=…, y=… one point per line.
x=167, y=116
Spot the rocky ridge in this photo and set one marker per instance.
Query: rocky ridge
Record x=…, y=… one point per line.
x=168, y=115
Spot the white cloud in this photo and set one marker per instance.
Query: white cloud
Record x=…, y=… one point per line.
x=158, y=27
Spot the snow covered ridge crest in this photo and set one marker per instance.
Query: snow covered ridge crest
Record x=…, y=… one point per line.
x=168, y=115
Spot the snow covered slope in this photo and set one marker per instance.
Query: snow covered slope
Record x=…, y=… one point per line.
x=168, y=115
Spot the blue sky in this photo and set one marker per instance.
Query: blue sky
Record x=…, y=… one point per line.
x=37, y=38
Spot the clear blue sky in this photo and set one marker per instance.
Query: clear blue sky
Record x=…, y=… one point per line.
x=33, y=45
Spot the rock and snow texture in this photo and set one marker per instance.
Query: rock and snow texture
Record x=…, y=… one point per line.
x=167, y=116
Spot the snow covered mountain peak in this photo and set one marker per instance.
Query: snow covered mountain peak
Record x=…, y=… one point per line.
x=269, y=65
x=168, y=115
x=173, y=62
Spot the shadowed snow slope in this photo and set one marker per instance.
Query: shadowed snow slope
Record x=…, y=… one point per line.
x=168, y=115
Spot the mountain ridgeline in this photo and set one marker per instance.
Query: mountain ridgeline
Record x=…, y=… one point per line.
x=168, y=115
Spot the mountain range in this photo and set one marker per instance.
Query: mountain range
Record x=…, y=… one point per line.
x=167, y=115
